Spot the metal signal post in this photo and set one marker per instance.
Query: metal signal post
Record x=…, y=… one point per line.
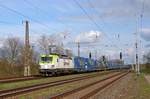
x=137, y=68
x=78, y=49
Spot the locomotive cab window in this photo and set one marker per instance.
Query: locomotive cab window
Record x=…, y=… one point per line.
x=46, y=59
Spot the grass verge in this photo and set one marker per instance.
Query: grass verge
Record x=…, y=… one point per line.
x=4, y=86
x=47, y=92
x=144, y=87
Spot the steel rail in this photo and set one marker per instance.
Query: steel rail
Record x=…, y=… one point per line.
x=61, y=95
x=17, y=91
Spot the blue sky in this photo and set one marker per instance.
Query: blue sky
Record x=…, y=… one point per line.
x=55, y=16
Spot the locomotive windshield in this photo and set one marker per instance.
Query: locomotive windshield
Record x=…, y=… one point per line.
x=46, y=59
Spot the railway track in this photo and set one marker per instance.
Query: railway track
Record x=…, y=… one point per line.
x=89, y=90
x=23, y=78
x=16, y=79
x=17, y=91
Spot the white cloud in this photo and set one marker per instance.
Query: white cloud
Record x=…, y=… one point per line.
x=130, y=51
x=89, y=37
x=145, y=34
x=146, y=30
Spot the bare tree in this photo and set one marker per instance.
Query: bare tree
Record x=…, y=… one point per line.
x=45, y=41
x=54, y=39
x=147, y=58
x=11, y=48
x=10, y=51
x=13, y=53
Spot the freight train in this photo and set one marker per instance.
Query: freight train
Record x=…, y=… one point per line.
x=54, y=64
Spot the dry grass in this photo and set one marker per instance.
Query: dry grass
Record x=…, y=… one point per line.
x=47, y=92
x=13, y=70
x=144, y=87
x=44, y=80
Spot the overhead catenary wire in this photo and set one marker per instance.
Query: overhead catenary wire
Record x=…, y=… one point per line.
x=6, y=22
x=91, y=19
x=102, y=20
x=44, y=25
x=41, y=10
x=92, y=6
x=25, y=16
x=33, y=5
x=36, y=7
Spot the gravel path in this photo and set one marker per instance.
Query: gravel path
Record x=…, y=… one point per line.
x=125, y=88
x=81, y=93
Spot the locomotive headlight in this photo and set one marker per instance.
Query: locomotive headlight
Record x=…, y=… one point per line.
x=44, y=66
x=47, y=66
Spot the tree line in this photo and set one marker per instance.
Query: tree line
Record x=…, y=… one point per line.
x=12, y=54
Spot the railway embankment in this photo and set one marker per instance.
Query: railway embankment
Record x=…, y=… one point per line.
x=129, y=86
